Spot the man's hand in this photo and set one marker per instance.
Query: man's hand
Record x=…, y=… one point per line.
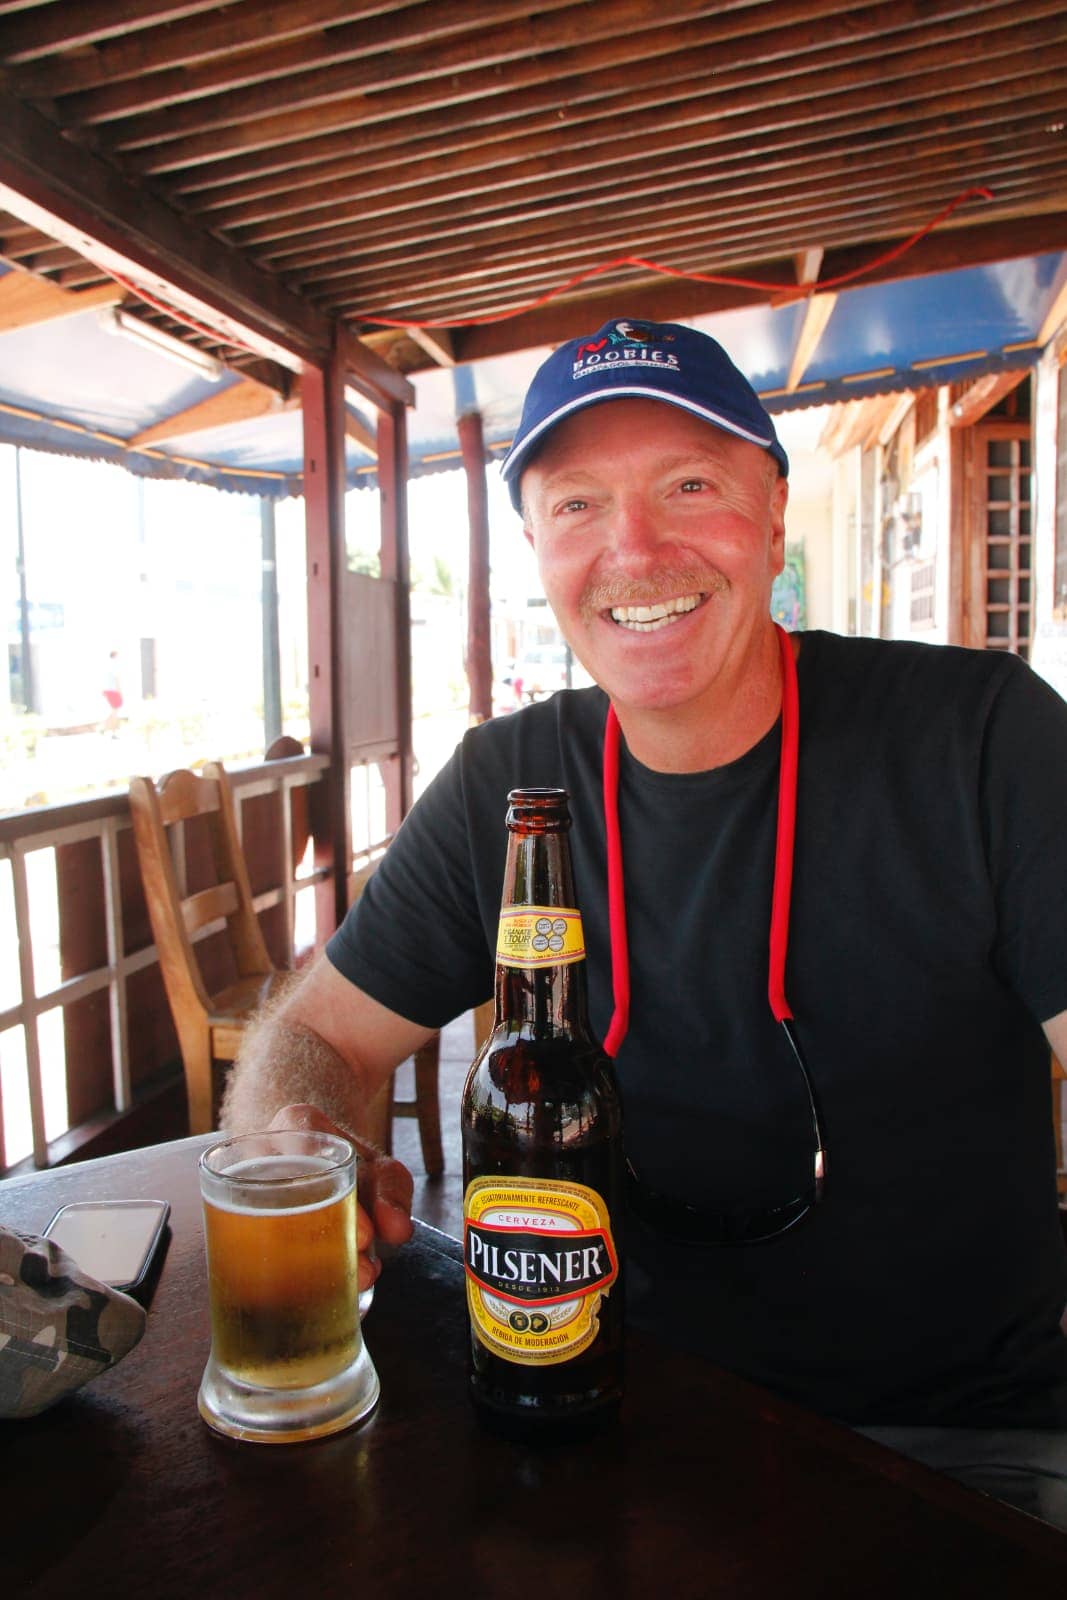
x=385, y=1189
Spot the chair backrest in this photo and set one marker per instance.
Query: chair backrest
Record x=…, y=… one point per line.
x=175, y=914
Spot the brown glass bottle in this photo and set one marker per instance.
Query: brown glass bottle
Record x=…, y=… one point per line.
x=542, y=1159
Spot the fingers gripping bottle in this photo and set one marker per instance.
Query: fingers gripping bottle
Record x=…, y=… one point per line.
x=542, y=1159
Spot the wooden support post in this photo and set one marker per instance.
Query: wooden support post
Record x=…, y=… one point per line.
x=479, y=646
x=272, y=679
x=392, y=485
x=324, y=507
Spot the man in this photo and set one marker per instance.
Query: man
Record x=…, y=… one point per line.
x=919, y=1289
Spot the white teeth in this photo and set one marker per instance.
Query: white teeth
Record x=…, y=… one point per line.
x=646, y=619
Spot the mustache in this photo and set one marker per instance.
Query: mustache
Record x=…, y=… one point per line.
x=666, y=583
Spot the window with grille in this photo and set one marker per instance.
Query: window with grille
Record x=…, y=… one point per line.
x=1004, y=492
x=922, y=595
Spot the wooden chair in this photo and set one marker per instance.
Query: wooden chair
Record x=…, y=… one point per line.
x=209, y=1025
x=425, y=1106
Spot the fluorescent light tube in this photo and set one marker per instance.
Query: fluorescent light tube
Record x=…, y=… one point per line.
x=117, y=320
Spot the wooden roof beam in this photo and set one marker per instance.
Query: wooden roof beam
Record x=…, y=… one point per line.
x=369, y=375
x=982, y=395
x=48, y=29
x=664, y=300
x=808, y=265
x=437, y=343
x=835, y=433
x=302, y=58
x=449, y=286
x=186, y=42
x=895, y=408
x=357, y=429
x=222, y=126
x=26, y=301
x=241, y=402
x=818, y=309
x=947, y=249
x=670, y=96
x=81, y=201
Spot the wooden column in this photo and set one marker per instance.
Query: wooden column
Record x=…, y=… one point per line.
x=392, y=485
x=272, y=672
x=960, y=467
x=324, y=508
x=479, y=645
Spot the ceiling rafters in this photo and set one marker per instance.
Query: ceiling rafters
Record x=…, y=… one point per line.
x=303, y=62
x=857, y=63
x=652, y=138
x=572, y=100
x=646, y=294
x=655, y=136
x=757, y=116
x=523, y=46
x=554, y=83
x=383, y=124
x=452, y=161
x=730, y=235
x=422, y=231
x=74, y=24
x=185, y=43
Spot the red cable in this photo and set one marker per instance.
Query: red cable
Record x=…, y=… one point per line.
x=620, y=956
x=179, y=316
x=783, y=292
x=782, y=894
x=787, y=818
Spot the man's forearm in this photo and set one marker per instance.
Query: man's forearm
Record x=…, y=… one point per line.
x=281, y=1063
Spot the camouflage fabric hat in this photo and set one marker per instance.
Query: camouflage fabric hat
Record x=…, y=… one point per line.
x=59, y=1328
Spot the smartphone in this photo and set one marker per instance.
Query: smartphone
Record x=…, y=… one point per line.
x=113, y=1241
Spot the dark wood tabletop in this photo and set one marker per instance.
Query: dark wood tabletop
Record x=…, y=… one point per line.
x=708, y=1487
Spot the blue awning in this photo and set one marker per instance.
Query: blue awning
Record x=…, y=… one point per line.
x=73, y=387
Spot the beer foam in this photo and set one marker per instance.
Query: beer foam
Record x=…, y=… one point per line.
x=258, y=1172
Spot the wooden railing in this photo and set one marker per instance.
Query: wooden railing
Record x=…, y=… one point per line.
x=119, y=1040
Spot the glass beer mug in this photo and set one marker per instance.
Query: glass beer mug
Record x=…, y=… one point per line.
x=287, y=1358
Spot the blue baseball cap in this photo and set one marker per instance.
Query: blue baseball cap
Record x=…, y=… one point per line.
x=629, y=359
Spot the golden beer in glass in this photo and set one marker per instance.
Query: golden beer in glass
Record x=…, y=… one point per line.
x=287, y=1355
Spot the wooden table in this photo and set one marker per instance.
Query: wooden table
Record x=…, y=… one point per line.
x=710, y=1487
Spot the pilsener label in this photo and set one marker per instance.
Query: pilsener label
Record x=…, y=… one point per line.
x=539, y=936
x=538, y=1255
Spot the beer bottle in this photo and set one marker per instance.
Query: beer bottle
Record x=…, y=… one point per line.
x=542, y=1159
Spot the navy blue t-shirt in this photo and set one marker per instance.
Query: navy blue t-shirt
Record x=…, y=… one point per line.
x=927, y=944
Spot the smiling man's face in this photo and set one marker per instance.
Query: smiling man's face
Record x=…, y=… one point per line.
x=657, y=536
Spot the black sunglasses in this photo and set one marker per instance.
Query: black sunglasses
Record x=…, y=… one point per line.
x=746, y=1225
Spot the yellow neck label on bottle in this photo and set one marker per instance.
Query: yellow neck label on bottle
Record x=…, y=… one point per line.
x=539, y=1256
x=539, y=936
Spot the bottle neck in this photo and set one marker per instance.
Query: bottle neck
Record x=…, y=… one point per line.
x=551, y=999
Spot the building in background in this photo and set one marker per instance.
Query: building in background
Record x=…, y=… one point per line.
x=950, y=514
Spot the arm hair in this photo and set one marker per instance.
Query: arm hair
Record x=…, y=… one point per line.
x=283, y=1063
x=323, y=1042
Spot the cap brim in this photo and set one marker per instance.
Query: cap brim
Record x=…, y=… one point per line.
x=518, y=453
